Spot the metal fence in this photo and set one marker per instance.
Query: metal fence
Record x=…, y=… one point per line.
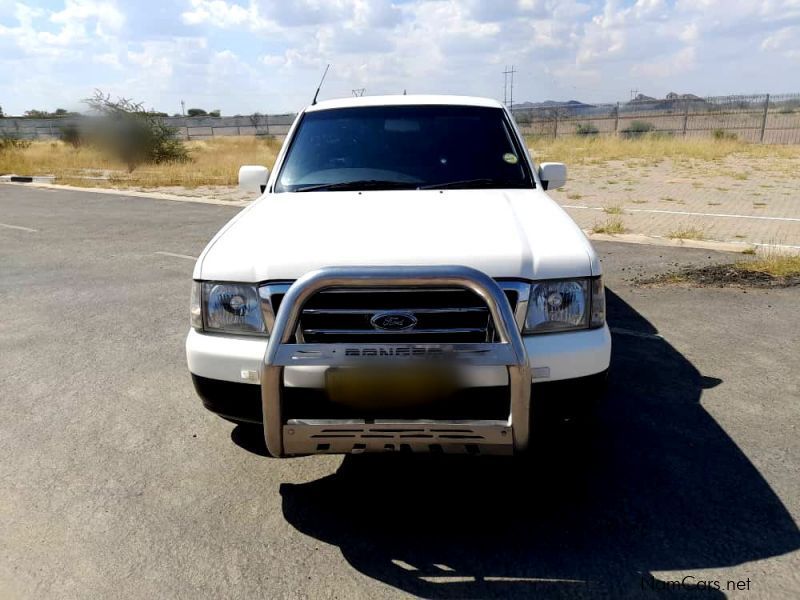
x=188, y=128
x=761, y=118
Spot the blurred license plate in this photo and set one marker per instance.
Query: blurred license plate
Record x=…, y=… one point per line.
x=386, y=387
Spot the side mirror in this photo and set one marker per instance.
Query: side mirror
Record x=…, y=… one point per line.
x=553, y=175
x=253, y=178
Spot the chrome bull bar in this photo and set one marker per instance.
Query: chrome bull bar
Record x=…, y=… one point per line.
x=308, y=436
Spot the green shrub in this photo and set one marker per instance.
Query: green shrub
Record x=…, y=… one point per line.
x=638, y=129
x=586, y=129
x=11, y=142
x=134, y=134
x=71, y=134
x=721, y=134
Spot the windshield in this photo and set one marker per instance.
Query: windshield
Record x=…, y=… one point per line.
x=403, y=147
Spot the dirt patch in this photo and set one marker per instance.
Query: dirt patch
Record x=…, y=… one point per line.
x=721, y=276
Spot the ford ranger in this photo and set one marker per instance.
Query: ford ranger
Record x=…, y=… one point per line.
x=403, y=283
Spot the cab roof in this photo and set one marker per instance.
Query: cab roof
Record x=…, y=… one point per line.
x=403, y=100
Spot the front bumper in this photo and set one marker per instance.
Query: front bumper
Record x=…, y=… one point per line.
x=503, y=362
x=552, y=357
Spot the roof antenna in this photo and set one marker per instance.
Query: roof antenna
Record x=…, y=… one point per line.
x=314, y=101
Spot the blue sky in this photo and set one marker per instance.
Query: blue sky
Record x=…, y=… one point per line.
x=243, y=56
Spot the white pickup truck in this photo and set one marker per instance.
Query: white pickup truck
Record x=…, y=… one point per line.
x=403, y=283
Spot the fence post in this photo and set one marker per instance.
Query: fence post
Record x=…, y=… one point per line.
x=555, y=125
x=616, y=120
x=764, y=118
x=685, y=117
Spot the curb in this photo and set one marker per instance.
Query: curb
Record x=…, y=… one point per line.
x=28, y=178
x=46, y=185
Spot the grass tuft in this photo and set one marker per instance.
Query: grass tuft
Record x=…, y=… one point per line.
x=610, y=227
x=775, y=265
x=692, y=233
x=613, y=210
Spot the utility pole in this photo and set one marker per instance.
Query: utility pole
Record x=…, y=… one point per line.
x=505, y=86
x=508, y=87
x=183, y=108
x=634, y=93
x=358, y=92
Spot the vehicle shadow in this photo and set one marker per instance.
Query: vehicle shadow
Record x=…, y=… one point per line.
x=654, y=484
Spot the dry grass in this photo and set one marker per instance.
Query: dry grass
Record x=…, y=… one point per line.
x=601, y=149
x=776, y=265
x=214, y=162
x=692, y=233
x=610, y=226
x=613, y=210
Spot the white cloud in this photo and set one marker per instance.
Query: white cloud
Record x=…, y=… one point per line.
x=77, y=15
x=785, y=42
x=221, y=14
x=677, y=63
x=273, y=52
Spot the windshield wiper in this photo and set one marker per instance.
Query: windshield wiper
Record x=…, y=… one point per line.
x=360, y=184
x=466, y=183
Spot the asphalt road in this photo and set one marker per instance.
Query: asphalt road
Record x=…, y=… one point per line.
x=115, y=483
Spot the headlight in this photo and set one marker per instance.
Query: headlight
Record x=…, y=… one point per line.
x=230, y=308
x=565, y=305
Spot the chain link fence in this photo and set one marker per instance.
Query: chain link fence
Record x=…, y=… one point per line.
x=759, y=118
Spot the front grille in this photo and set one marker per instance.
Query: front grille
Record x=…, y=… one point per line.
x=442, y=315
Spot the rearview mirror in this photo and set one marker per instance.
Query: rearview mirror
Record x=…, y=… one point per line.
x=553, y=175
x=253, y=178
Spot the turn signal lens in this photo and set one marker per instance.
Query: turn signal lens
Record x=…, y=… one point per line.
x=196, y=306
x=598, y=317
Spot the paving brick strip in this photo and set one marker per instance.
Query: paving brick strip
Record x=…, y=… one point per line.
x=756, y=205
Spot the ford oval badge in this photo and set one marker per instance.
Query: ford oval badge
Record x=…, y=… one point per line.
x=393, y=321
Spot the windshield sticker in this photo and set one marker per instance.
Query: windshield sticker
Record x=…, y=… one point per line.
x=510, y=158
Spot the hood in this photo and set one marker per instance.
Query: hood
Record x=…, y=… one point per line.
x=504, y=233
